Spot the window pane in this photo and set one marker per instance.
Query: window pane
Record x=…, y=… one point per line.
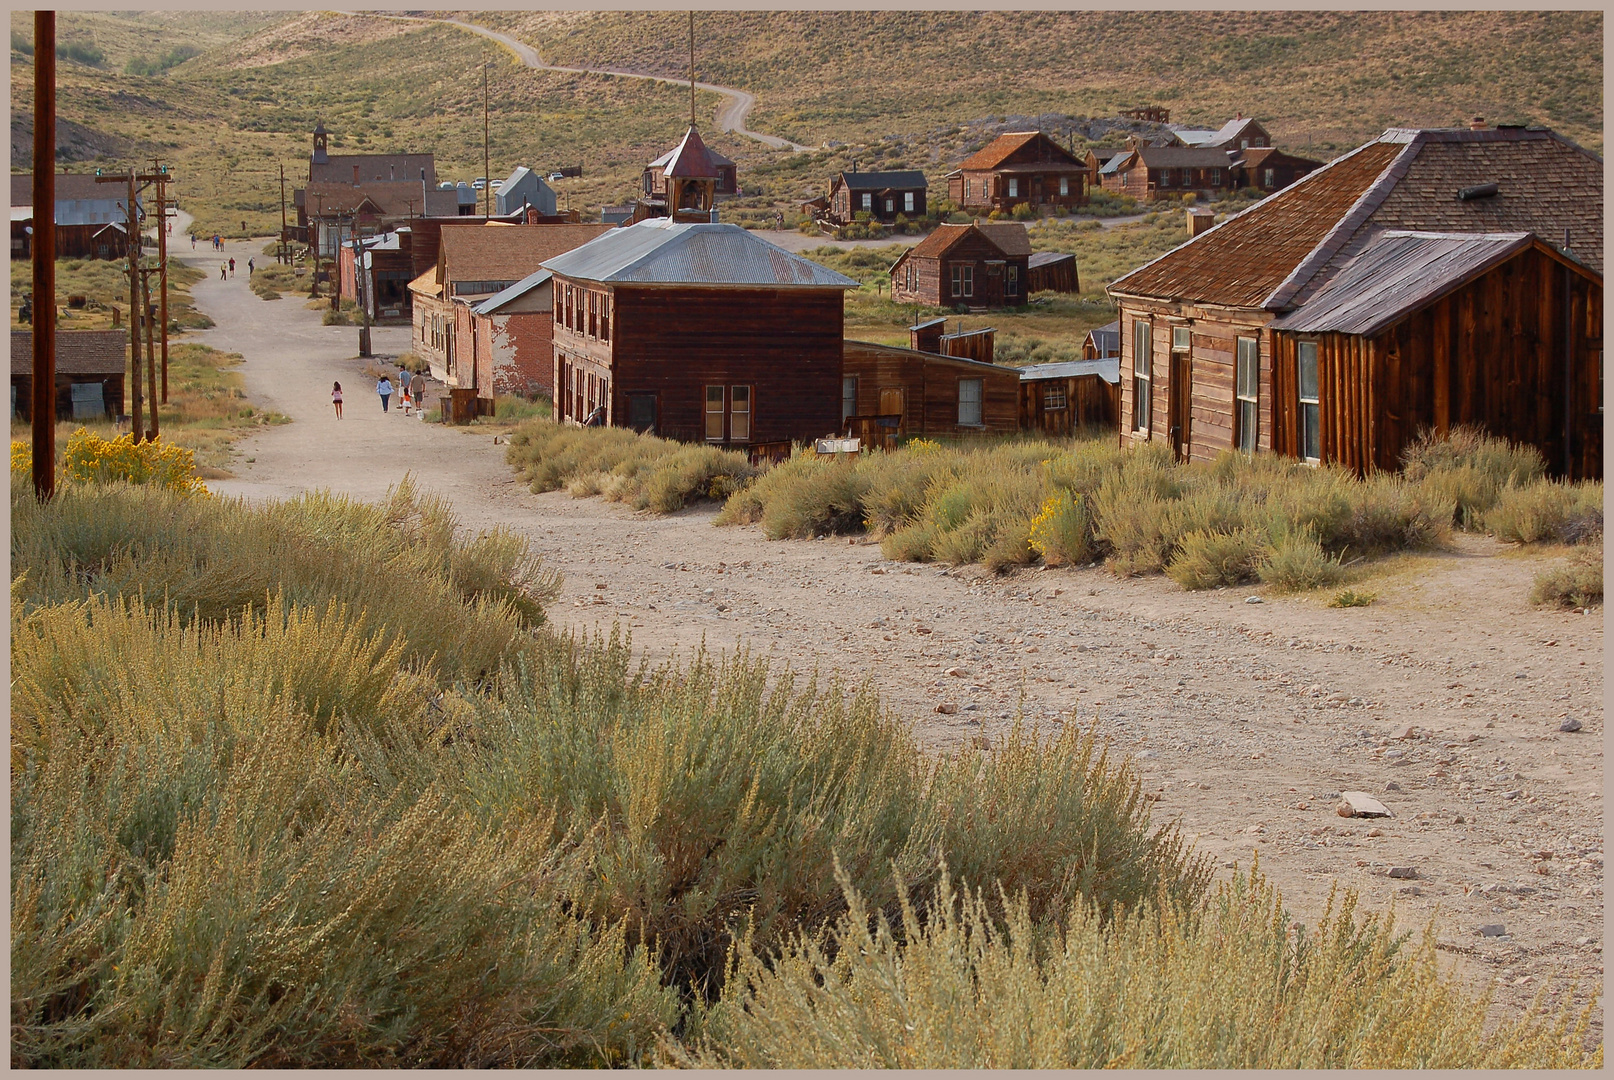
x=1248, y=368
x=907, y=201
x=1179, y=338
x=740, y=412
x=969, y=401
x=848, y=396
x=1140, y=404
x=1248, y=426
x=1140, y=348
x=1308, y=371
x=714, y=412
x=1311, y=439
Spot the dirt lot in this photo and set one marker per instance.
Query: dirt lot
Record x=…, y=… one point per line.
x=1247, y=719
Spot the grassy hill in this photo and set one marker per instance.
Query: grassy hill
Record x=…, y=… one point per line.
x=944, y=83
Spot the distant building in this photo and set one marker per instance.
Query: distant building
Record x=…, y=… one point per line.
x=1052, y=271
x=325, y=167
x=977, y=266
x=512, y=338
x=89, y=374
x=521, y=189
x=888, y=392
x=685, y=182
x=883, y=195
x=84, y=209
x=1066, y=396
x=1015, y=168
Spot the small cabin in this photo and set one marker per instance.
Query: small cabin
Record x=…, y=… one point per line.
x=1019, y=167
x=1052, y=271
x=888, y=392
x=974, y=267
x=90, y=366
x=884, y=196
x=1069, y=396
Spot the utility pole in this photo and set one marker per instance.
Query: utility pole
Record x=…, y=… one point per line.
x=487, y=178
x=137, y=312
x=280, y=252
x=319, y=214
x=360, y=293
x=44, y=318
x=691, y=69
x=151, y=351
x=162, y=264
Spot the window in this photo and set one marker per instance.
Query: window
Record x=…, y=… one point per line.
x=1053, y=399
x=1011, y=280
x=1181, y=339
x=1310, y=413
x=1246, y=383
x=605, y=317
x=1064, y=185
x=1014, y=188
x=848, y=397
x=1216, y=178
x=963, y=280
x=969, y=402
x=740, y=413
x=1141, y=380
x=714, y=414
x=868, y=201
x=593, y=315
x=907, y=202
x=966, y=190
x=890, y=205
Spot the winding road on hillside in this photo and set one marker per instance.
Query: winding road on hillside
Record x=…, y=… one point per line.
x=737, y=104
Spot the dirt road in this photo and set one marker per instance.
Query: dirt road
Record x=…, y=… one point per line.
x=1247, y=720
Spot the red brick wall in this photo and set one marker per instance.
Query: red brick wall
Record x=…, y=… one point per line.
x=520, y=352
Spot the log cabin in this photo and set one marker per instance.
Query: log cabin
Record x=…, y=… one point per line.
x=885, y=196
x=973, y=267
x=1015, y=168
x=1068, y=396
x=702, y=332
x=888, y=392
x=1429, y=278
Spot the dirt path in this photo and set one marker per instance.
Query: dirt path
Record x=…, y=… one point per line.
x=1246, y=719
x=730, y=116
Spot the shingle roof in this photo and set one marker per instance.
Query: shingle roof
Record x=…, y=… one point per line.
x=426, y=284
x=392, y=198
x=1009, y=236
x=879, y=181
x=993, y=153
x=663, y=252
x=68, y=186
x=78, y=352
x=1289, y=245
x=711, y=155
x=689, y=158
x=514, y=292
x=510, y=253
x=372, y=167
x=1176, y=157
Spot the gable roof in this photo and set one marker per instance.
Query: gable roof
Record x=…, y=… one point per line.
x=1175, y=157
x=372, y=167
x=879, y=181
x=1010, y=237
x=426, y=283
x=1048, y=258
x=1287, y=245
x=511, y=252
x=1398, y=273
x=1195, y=136
x=691, y=157
x=661, y=251
x=999, y=149
x=514, y=292
x=78, y=352
x=80, y=186
x=390, y=198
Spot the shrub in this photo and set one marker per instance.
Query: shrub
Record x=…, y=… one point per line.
x=1576, y=583
x=1548, y=510
x=1024, y=212
x=1208, y=559
x=1062, y=531
x=1297, y=563
x=90, y=458
x=1351, y=598
x=640, y=469
x=1236, y=986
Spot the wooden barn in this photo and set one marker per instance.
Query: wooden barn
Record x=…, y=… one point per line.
x=1052, y=271
x=885, y=196
x=1065, y=397
x=1019, y=167
x=698, y=331
x=89, y=374
x=888, y=392
x=1430, y=278
x=976, y=266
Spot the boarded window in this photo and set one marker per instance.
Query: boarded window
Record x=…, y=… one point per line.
x=740, y=413
x=1310, y=412
x=714, y=413
x=1053, y=399
x=1246, y=383
x=969, y=402
x=848, y=396
x=1141, y=362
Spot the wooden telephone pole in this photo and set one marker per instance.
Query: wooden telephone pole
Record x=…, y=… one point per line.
x=487, y=180
x=43, y=421
x=139, y=311
x=281, y=254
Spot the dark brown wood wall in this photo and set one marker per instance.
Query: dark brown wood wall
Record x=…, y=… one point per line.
x=1089, y=402
x=1059, y=276
x=930, y=389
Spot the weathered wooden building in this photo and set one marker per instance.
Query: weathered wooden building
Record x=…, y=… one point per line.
x=1148, y=172
x=1067, y=396
x=976, y=266
x=686, y=182
x=888, y=392
x=1269, y=169
x=1102, y=341
x=1018, y=167
x=90, y=367
x=1429, y=278
x=885, y=196
x=89, y=217
x=698, y=331
x=1052, y=271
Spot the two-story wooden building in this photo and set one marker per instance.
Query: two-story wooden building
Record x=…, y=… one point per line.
x=884, y=196
x=1430, y=278
x=976, y=266
x=698, y=331
x=1018, y=167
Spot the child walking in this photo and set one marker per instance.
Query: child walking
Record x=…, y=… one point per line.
x=336, y=398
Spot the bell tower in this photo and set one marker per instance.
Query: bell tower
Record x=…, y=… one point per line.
x=320, y=157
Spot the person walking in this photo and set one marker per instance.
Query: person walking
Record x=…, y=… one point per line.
x=193, y=241
x=417, y=390
x=336, y=398
x=251, y=266
x=224, y=272
x=384, y=388
x=403, y=391
x=232, y=268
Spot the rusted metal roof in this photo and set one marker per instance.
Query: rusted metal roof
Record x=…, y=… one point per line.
x=1398, y=273
x=1001, y=148
x=690, y=158
x=1009, y=237
x=664, y=252
x=1048, y=258
x=78, y=352
x=711, y=155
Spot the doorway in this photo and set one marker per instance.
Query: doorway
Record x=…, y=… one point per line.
x=1180, y=393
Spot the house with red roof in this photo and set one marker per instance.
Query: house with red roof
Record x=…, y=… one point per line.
x=976, y=266
x=1429, y=278
x=1018, y=167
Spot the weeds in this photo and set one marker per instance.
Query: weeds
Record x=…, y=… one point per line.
x=1351, y=598
x=1575, y=583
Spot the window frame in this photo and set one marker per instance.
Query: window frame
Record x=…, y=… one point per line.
x=963, y=275
x=1142, y=375
x=848, y=397
x=1247, y=394
x=868, y=201
x=735, y=412
x=1308, y=409
x=907, y=202
x=978, y=401
x=1011, y=279
x=718, y=413
x=1064, y=186
x=1054, y=399
x=1014, y=187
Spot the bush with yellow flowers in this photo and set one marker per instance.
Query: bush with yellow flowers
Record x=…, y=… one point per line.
x=88, y=457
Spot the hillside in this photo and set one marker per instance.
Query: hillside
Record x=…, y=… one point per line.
x=943, y=83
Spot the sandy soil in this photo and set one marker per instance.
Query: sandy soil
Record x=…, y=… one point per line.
x=1247, y=720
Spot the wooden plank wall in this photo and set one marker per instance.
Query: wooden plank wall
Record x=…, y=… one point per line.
x=930, y=389
x=1090, y=402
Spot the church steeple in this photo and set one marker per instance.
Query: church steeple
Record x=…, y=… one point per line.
x=320, y=157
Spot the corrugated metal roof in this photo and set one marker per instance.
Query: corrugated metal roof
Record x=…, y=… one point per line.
x=664, y=252
x=514, y=292
x=1397, y=274
x=1107, y=368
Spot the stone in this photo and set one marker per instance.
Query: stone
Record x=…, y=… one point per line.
x=1494, y=929
x=1361, y=804
x=947, y=708
x=1375, y=832
x=1403, y=871
x=958, y=672
x=1459, y=820
x=1410, y=890
x=1511, y=795
x=1254, y=600
x=1405, y=732
x=1392, y=786
x=1570, y=724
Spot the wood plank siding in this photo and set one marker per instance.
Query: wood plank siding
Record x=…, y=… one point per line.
x=925, y=390
x=1067, y=406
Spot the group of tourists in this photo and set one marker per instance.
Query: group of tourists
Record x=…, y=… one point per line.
x=411, y=388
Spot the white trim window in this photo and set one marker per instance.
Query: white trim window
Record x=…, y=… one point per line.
x=1142, y=377
x=1014, y=187
x=1310, y=407
x=1053, y=399
x=969, y=402
x=1246, y=389
x=714, y=414
x=963, y=280
x=907, y=202
x=868, y=201
x=848, y=397
x=740, y=413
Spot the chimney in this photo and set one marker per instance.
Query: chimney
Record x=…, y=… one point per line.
x=532, y=215
x=1239, y=115
x=355, y=174
x=1477, y=124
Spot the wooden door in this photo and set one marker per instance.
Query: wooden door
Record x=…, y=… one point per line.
x=1180, y=392
x=893, y=413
